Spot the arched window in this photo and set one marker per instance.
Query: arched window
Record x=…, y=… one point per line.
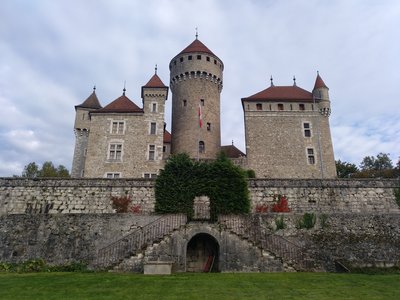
x=202, y=147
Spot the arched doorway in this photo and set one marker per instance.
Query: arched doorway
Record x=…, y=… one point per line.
x=202, y=254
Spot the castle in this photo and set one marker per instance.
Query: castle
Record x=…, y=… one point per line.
x=286, y=127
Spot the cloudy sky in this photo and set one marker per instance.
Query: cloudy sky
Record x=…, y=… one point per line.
x=52, y=52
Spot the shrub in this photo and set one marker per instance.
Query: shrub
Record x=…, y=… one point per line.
x=397, y=195
x=39, y=265
x=281, y=205
x=261, y=208
x=135, y=209
x=120, y=204
x=280, y=223
x=183, y=179
x=323, y=219
x=250, y=173
x=307, y=221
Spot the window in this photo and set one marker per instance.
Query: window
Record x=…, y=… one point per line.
x=153, y=127
x=164, y=149
x=310, y=156
x=174, y=62
x=181, y=59
x=83, y=173
x=154, y=107
x=208, y=126
x=259, y=106
x=280, y=106
x=184, y=103
x=208, y=58
x=83, y=116
x=149, y=175
x=189, y=57
x=152, y=152
x=113, y=175
x=198, y=57
x=115, y=151
x=202, y=147
x=202, y=102
x=215, y=61
x=307, y=129
x=291, y=107
x=117, y=127
x=85, y=152
x=301, y=107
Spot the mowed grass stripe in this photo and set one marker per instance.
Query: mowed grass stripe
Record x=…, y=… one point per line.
x=199, y=286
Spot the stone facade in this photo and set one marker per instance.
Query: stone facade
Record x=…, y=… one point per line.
x=54, y=196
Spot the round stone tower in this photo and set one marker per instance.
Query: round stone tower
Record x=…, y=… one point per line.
x=196, y=84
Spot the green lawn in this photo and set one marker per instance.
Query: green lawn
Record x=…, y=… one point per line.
x=199, y=286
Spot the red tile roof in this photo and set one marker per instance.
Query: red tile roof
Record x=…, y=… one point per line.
x=167, y=137
x=90, y=102
x=319, y=83
x=281, y=93
x=120, y=105
x=155, y=82
x=196, y=46
x=232, y=152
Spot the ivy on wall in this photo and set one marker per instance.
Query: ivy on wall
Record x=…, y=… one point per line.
x=184, y=179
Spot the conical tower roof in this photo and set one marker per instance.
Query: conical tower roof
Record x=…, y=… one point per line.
x=319, y=83
x=91, y=102
x=197, y=46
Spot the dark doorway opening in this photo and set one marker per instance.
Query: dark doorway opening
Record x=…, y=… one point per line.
x=202, y=254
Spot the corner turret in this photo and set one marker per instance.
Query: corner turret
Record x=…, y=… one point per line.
x=321, y=96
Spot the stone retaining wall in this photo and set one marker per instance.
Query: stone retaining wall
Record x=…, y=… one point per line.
x=42, y=196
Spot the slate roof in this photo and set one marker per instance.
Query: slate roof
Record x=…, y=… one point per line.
x=91, y=102
x=232, y=152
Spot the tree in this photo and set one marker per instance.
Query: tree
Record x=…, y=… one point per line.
x=31, y=170
x=345, y=169
x=381, y=162
x=47, y=170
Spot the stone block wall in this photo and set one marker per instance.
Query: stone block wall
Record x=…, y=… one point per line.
x=42, y=196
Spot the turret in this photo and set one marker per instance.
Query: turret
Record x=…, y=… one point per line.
x=321, y=96
x=81, y=129
x=196, y=84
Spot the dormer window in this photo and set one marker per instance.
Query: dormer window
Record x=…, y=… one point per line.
x=280, y=106
x=189, y=57
x=301, y=107
x=259, y=106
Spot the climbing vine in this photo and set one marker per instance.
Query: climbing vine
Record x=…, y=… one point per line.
x=183, y=179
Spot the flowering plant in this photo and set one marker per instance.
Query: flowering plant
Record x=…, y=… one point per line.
x=281, y=205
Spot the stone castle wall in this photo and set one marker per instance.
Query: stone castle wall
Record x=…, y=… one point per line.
x=35, y=196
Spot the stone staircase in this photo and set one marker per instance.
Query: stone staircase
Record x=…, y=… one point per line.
x=134, y=243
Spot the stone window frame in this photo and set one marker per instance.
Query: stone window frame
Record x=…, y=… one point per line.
x=259, y=106
x=202, y=102
x=202, y=147
x=113, y=150
x=281, y=106
x=113, y=175
x=117, y=129
x=310, y=152
x=208, y=126
x=149, y=175
x=302, y=106
x=153, y=128
x=151, y=153
x=184, y=102
x=153, y=107
x=307, y=131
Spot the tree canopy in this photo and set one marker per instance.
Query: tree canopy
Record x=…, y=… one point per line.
x=48, y=169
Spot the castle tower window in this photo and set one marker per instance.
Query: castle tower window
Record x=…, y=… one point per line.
x=152, y=152
x=149, y=175
x=189, y=57
x=208, y=58
x=184, y=103
x=270, y=107
x=208, y=126
x=154, y=107
x=181, y=59
x=164, y=149
x=113, y=175
x=307, y=129
x=202, y=102
x=199, y=57
x=310, y=156
x=280, y=106
x=215, y=61
x=117, y=127
x=291, y=107
x=301, y=107
x=153, y=127
x=259, y=106
x=202, y=147
x=115, y=151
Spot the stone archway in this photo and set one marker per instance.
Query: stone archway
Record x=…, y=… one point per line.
x=202, y=254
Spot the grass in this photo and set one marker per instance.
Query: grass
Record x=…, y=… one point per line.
x=199, y=286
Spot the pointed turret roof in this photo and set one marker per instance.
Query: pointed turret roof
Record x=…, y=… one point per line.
x=319, y=83
x=155, y=82
x=91, y=102
x=197, y=46
x=167, y=137
x=120, y=105
x=282, y=93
